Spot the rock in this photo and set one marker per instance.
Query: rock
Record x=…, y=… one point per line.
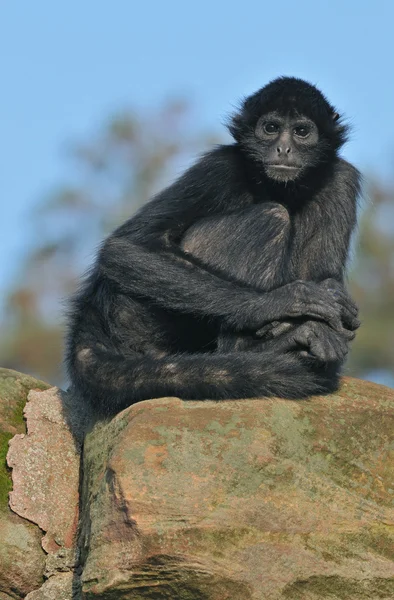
x=22, y=559
x=56, y=588
x=45, y=472
x=253, y=499
x=44, y=458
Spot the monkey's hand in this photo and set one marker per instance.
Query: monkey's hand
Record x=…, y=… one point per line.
x=321, y=342
x=314, y=340
x=301, y=299
x=348, y=308
x=336, y=293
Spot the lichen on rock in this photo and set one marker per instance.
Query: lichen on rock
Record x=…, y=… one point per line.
x=243, y=499
x=234, y=500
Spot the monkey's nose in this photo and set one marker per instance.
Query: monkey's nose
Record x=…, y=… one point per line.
x=281, y=150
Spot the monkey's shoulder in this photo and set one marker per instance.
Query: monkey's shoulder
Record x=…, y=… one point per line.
x=222, y=164
x=346, y=173
x=215, y=181
x=341, y=184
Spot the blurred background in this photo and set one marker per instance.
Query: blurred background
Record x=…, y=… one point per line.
x=104, y=103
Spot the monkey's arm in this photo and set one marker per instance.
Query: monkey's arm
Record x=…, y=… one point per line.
x=144, y=259
x=332, y=219
x=325, y=256
x=169, y=280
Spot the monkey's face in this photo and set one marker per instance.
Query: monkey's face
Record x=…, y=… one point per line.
x=286, y=145
x=287, y=128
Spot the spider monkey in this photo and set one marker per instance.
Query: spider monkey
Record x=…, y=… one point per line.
x=230, y=282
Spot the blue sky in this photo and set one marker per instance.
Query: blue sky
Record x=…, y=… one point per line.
x=66, y=65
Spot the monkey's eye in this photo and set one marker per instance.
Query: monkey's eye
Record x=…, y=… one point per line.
x=301, y=131
x=271, y=128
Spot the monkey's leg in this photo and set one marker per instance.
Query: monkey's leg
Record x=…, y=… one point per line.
x=111, y=382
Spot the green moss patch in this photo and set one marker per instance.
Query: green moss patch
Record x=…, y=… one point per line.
x=5, y=477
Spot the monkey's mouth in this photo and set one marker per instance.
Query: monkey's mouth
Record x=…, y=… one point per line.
x=282, y=167
x=282, y=172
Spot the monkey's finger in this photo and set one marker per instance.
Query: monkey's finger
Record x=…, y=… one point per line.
x=326, y=348
x=267, y=329
x=304, y=335
x=319, y=351
x=346, y=303
x=280, y=328
x=329, y=348
x=317, y=346
x=339, y=348
x=340, y=296
x=350, y=321
x=343, y=299
x=348, y=335
x=326, y=314
x=305, y=354
x=321, y=311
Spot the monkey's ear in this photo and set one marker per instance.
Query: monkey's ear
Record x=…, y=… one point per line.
x=335, y=116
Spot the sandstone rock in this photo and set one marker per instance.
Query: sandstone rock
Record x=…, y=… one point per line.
x=45, y=479
x=22, y=559
x=56, y=588
x=254, y=499
x=45, y=472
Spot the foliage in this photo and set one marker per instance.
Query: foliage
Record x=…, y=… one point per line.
x=372, y=283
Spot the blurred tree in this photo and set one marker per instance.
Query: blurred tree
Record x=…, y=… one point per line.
x=131, y=158
x=372, y=282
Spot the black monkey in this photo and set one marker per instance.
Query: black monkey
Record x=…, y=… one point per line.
x=229, y=283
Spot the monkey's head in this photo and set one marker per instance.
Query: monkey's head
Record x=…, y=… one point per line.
x=288, y=127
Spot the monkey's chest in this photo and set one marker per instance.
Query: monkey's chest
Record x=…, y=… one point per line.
x=250, y=246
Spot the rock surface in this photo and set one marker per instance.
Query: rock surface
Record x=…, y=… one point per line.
x=45, y=472
x=44, y=458
x=254, y=499
x=56, y=588
x=22, y=559
x=237, y=500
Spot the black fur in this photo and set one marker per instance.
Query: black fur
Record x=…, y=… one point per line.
x=230, y=282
